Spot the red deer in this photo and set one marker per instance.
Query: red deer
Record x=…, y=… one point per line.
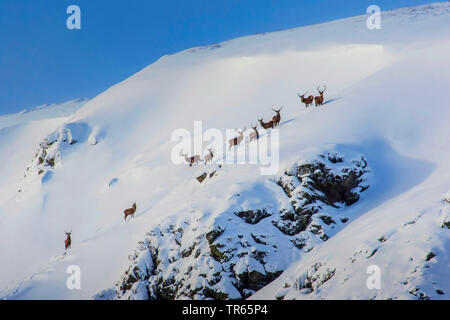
x=254, y=135
x=130, y=211
x=68, y=241
x=277, y=119
x=307, y=101
x=209, y=156
x=266, y=125
x=319, y=99
x=237, y=141
x=191, y=160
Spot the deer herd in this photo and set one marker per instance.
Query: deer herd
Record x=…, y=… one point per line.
x=254, y=135
x=309, y=100
x=208, y=158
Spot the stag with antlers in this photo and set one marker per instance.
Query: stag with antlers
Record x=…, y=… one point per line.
x=277, y=118
x=255, y=134
x=237, y=141
x=68, y=241
x=191, y=160
x=319, y=99
x=130, y=212
x=209, y=156
x=307, y=101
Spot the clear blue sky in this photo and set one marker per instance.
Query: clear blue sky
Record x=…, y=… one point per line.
x=41, y=61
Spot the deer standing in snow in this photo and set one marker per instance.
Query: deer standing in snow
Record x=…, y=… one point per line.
x=191, y=160
x=277, y=119
x=307, y=101
x=254, y=135
x=68, y=241
x=319, y=99
x=209, y=156
x=237, y=141
x=130, y=211
x=266, y=125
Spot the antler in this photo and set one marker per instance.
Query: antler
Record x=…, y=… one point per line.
x=318, y=89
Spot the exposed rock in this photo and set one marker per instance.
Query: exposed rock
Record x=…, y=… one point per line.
x=202, y=177
x=315, y=276
x=430, y=256
x=207, y=174
x=219, y=257
x=310, y=186
x=419, y=294
x=253, y=216
x=49, y=152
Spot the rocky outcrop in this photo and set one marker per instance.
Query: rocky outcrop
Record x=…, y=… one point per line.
x=312, y=186
x=49, y=153
x=239, y=251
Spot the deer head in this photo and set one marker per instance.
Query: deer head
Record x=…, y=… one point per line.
x=321, y=92
x=256, y=133
x=184, y=155
x=277, y=111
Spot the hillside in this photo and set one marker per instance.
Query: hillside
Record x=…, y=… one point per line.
x=360, y=182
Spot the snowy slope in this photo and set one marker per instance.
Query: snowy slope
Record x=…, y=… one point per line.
x=386, y=102
x=20, y=134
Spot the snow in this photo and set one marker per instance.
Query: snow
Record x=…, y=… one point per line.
x=387, y=100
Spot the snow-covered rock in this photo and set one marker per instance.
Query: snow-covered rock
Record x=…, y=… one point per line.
x=238, y=251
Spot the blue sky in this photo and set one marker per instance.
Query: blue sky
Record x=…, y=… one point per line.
x=41, y=61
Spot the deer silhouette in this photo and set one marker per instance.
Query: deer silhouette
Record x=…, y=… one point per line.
x=191, y=160
x=209, y=156
x=68, y=241
x=255, y=134
x=319, y=99
x=237, y=141
x=307, y=101
x=266, y=125
x=277, y=118
x=130, y=212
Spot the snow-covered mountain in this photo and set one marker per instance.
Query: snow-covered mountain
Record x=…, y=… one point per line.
x=362, y=180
